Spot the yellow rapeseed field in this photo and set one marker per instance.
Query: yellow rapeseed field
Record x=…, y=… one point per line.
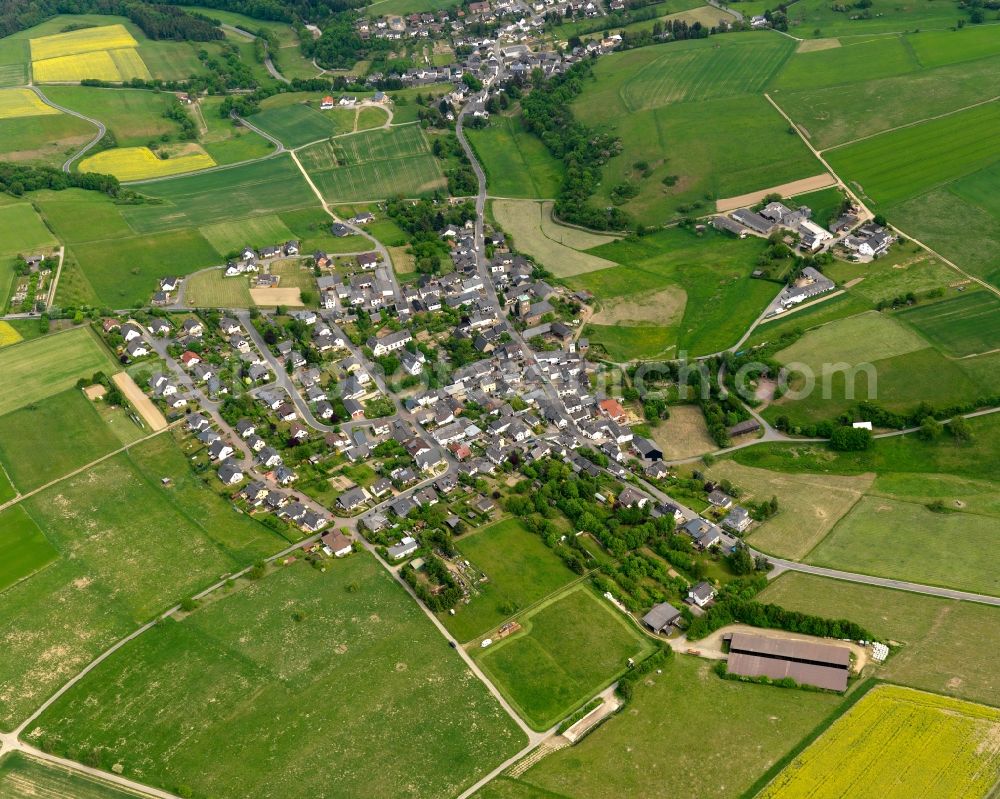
x=85, y=40
x=8, y=335
x=22, y=103
x=897, y=743
x=113, y=65
x=140, y=163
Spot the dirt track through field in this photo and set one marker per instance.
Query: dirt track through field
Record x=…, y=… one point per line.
x=821, y=181
x=143, y=404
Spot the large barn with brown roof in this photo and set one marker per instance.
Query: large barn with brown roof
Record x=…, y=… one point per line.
x=808, y=663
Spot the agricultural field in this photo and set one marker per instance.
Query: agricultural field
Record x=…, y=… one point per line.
x=311, y=227
x=226, y=140
x=558, y=248
x=134, y=116
x=23, y=103
x=520, y=570
x=944, y=646
x=943, y=548
x=24, y=233
x=47, y=439
x=22, y=777
x=870, y=749
x=141, y=163
x=684, y=434
x=40, y=368
x=627, y=756
x=695, y=69
x=570, y=648
x=270, y=648
x=48, y=140
x=297, y=123
x=905, y=268
x=865, y=59
x=373, y=164
x=713, y=272
x=107, y=52
x=809, y=504
x=814, y=18
x=23, y=548
x=116, y=567
x=883, y=169
x=8, y=333
x=517, y=164
x=258, y=231
x=961, y=326
x=264, y=187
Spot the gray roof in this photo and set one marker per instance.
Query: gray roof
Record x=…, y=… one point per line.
x=806, y=662
x=661, y=616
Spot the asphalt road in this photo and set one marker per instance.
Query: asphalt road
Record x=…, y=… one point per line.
x=101, y=129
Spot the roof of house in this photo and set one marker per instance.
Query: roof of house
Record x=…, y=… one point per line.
x=702, y=591
x=807, y=662
x=661, y=616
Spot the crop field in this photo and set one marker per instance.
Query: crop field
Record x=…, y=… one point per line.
x=22, y=103
x=977, y=188
x=934, y=548
x=44, y=140
x=937, y=48
x=271, y=648
x=520, y=570
x=141, y=163
x=901, y=100
x=8, y=334
x=298, y=124
x=24, y=233
x=34, y=370
x=134, y=116
x=46, y=439
x=123, y=272
x=850, y=341
x=311, y=226
x=690, y=146
x=853, y=62
x=701, y=69
x=22, y=777
x=870, y=751
x=523, y=221
x=517, y=164
x=626, y=756
x=945, y=646
x=809, y=504
x=570, y=648
x=116, y=567
x=951, y=147
x=265, y=187
x=23, y=548
x=884, y=16
x=258, y=231
x=113, y=65
x=376, y=145
x=962, y=325
x=722, y=300
x=85, y=40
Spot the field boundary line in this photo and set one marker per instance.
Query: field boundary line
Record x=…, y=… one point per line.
x=910, y=124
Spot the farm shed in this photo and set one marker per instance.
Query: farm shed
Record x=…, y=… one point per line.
x=661, y=617
x=808, y=663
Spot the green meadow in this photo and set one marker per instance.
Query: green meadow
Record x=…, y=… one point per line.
x=517, y=164
x=345, y=656
x=23, y=777
x=960, y=326
x=24, y=233
x=24, y=549
x=294, y=123
x=134, y=116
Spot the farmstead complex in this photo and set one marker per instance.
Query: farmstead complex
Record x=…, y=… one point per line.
x=449, y=399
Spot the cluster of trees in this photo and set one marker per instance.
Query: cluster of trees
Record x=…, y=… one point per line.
x=445, y=593
x=158, y=20
x=422, y=220
x=671, y=29
x=736, y=603
x=247, y=104
x=851, y=439
x=461, y=179
x=16, y=179
x=546, y=113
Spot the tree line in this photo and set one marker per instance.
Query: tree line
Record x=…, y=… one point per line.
x=158, y=20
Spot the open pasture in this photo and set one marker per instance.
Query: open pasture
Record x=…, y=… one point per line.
x=22, y=777
x=274, y=647
x=852, y=62
x=937, y=48
x=550, y=244
x=979, y=188
x=902, y=100
x=946, y=646
x=517, y=164
x=810, y=504
x=225, y=139
x=116, y=567
x=933, y=548
x=34, y=370
x=297, y=124
x=264, y=187
x=962, y=325
x=258, y=231
x=626, y=756
x=24, y=233
x=47, y=439
x=210, y=289
x=696, y=69
x=570, y=648
x=684, y=434
x=46, y=140
x=870, y=751
x=141, y=163
x=24, y=549
x=134, y=116
x=904, y=269
x=885, y=169
x=22, y=103
x=816, y=18
x=520, y=570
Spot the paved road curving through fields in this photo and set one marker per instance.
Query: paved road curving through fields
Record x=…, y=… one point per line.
x=101, y=129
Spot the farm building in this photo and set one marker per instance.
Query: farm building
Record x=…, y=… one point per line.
x=808, y=663
x=661, y=617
